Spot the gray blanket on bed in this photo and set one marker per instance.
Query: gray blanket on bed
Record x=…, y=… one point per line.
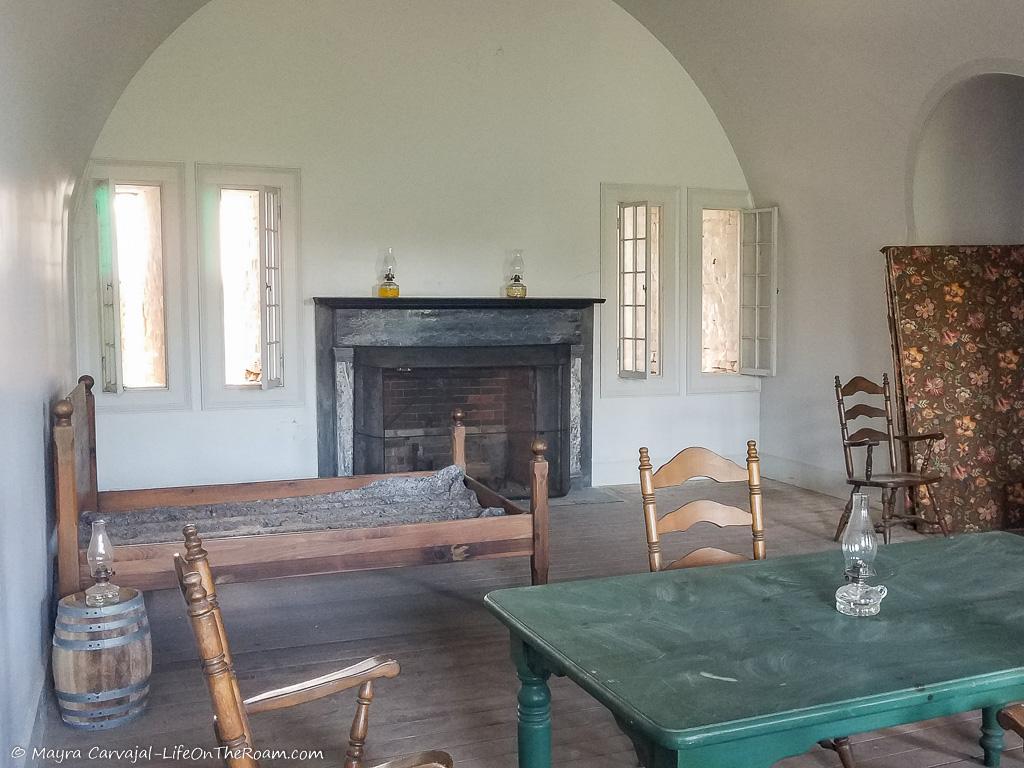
x=389, y=501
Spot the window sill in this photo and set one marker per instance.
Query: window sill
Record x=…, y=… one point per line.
x=714, y=383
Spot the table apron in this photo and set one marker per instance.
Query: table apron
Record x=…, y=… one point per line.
x=764, y=749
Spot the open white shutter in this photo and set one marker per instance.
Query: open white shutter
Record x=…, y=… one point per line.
x=270, y=271
x=110, y=304
x=759, y=289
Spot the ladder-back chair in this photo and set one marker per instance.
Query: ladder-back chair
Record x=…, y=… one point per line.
x=688, y=464
x=231, y=711
x=696, y=462
x=894, y=481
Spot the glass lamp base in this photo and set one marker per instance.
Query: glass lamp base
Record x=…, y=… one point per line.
x=859, y=599
x=388, y=290
x=102, y=594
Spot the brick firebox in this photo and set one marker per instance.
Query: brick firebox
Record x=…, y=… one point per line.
x=498, y=404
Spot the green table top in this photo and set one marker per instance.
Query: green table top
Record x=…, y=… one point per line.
x=702, y=655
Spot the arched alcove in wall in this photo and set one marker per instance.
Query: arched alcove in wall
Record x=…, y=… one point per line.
x=969, y=164
x=450, y=131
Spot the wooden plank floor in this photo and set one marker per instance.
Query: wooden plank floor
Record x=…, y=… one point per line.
x=457, y=688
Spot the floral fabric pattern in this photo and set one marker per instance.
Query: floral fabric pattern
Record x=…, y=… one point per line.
x=958, y=316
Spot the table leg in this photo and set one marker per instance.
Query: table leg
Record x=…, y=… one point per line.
x=534, y=710
x=991, y=736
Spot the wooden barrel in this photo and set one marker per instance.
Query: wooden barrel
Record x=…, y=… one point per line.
x=102, y=658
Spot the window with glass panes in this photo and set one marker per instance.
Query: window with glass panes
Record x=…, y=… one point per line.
x=639, y=245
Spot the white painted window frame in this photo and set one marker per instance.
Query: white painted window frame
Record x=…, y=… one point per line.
x=170, y=177
x=210, y=179
x=698, y=382
x=667, y=382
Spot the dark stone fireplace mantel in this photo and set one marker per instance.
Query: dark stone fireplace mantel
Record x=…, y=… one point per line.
x=348, y=329
x=435, y=302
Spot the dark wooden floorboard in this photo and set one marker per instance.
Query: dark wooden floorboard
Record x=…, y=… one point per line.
x=457, y=688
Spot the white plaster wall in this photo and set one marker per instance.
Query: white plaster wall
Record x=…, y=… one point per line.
x=968, y=184
x=825, y=104
x=55, y=92
x=450, y=130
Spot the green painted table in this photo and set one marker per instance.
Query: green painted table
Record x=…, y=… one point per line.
x=742, y=665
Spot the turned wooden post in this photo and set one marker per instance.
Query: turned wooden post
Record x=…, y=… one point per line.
x=458, y=439
x=650, y=511
x=360, y=727
x=229, y=723
x=197, y=560
x=540, y=560
x=66, y=489
x=756, y=502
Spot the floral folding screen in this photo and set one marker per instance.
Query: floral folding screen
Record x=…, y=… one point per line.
x=957, y=323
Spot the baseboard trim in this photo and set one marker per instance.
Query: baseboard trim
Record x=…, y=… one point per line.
x=829, y=482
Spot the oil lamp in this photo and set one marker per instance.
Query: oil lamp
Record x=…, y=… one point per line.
x=857, y=597
x=101, y=565
x=389, y=288
x=516, y=288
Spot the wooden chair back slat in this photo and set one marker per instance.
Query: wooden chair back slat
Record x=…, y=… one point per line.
x=863, y=409
x=700, y=462
x=869, y=433
x=861, y=385
x=705, y=556
x=702, y=511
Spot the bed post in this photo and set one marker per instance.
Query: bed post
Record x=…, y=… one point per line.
x=539, y=509
x=66, y=498
x=458, y=439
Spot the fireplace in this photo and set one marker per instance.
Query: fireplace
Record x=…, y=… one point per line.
x=390, y=372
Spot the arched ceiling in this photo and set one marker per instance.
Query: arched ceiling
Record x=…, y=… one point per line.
x=64, y=65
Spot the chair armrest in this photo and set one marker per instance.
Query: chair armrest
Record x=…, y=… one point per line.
x=319, y=687
x=866, y=442
x=916, y=438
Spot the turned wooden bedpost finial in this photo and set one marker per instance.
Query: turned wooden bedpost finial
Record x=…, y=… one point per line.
x=62, y=411
x=539, y=447
x=650, y=510
x=756, y=500
x=88, y=380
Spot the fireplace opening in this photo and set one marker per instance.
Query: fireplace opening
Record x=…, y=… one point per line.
x=403, y=398
x=499, y=404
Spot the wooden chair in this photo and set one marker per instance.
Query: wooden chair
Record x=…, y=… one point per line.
x=894, y=481
x=231, y=711
x=700, y=462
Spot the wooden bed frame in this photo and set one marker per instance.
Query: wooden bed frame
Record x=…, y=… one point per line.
x=518, y=533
